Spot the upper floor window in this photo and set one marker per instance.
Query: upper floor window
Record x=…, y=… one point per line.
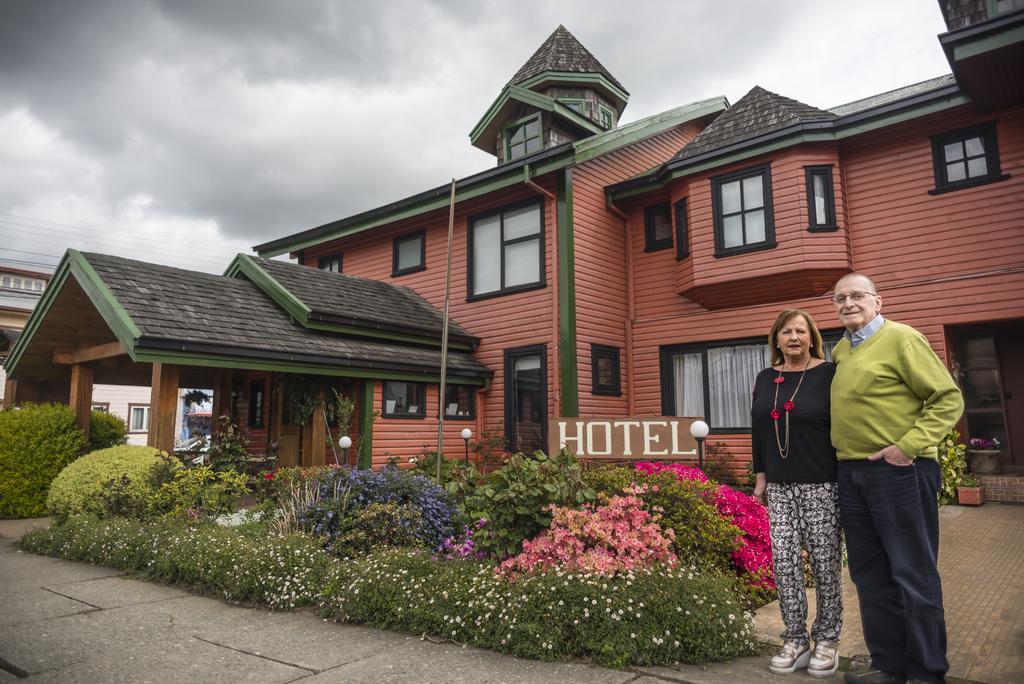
x=523, y=137
x=330, y=263
x=506, y=250
x=408, y=254
x=607, y=117
x=682, y=230
x=657, y=227
x=821, y=203
x=404, y=399
x=1006, y=6
x=575, y=104
x=966, y=158
x=742, y=203
x=15, y=282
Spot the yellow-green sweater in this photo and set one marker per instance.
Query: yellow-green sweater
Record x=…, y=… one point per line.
x=891, y=389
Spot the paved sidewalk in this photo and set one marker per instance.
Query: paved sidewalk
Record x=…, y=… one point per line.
x=71, y=622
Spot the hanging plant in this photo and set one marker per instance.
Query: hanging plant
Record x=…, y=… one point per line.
x=302, y=394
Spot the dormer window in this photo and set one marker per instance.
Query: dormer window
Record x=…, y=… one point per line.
x=607, y=117
x=523, y=137
x=575, y=104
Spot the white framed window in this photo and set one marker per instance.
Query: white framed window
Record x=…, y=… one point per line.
x=138, y=418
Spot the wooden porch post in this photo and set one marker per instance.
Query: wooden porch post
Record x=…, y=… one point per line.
x=221, y=396
x=318, y=436
x=80, y=399
x=10, y=392
x=163, y=406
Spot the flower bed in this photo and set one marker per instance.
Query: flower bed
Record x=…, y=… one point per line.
x=656, y=615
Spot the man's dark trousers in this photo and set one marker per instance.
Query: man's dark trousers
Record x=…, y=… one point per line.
x=890, y=519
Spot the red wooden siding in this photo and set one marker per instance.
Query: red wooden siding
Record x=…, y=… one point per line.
x=600, y=256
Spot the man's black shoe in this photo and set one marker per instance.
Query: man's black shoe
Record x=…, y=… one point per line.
x=873, y=677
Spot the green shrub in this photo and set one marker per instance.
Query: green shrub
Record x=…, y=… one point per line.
x=36, y=442
x=647, y=617
x=377, y=526
x=82, y=486
x=515, y=498
x=703, y=537
x=952, y=463
x=106, y=430
x=199, y=492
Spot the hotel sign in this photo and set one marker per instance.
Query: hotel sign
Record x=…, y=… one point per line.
x=617, y=439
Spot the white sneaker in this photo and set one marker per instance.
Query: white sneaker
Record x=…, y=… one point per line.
x=825, y=660
x=791, y=658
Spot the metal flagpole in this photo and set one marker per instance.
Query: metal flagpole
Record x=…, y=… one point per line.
x=444, y=330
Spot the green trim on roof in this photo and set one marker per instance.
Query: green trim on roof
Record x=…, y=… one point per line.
x=528, y=97
x=255, y=273
x=665, y=176
x=647, y=127
x=38, y=314
x=979, y=46
x=364, y=458
x=567, y=298
x=384, y=335
x=254, y=363
x=578, y=77
x=515, y=177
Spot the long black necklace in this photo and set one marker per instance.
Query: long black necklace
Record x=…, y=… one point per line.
x=787, y=407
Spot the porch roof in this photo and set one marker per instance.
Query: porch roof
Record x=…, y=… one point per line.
x=171, y=315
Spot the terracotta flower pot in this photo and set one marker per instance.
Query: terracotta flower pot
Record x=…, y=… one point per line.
x=970, y=496
x=983, y=461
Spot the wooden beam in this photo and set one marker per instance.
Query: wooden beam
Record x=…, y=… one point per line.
x=318, y=435
x=10, y=392
x=163, y=406
x=221, y=396
x=85, y=354
x=80, y=399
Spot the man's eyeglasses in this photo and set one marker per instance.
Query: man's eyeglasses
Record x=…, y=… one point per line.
x=856, y=297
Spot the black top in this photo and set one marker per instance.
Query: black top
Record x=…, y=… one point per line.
x=811, y=457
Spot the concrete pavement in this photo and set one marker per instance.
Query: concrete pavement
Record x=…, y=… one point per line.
x=71, y=622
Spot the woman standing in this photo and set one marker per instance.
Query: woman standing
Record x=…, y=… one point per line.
x=795, y=468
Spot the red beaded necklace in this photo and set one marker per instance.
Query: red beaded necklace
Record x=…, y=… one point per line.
x=788, y=406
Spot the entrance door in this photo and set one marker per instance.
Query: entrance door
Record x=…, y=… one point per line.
x=992, y=377
x=526, y=403
x=288, y=437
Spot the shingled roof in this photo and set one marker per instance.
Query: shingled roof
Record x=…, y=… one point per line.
x=756, y=113
x=206, y=313
x=362, y=302
x=562, y=52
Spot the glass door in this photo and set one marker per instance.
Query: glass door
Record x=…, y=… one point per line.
x=526, y=399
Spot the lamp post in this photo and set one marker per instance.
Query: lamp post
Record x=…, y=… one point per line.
x=345, y=443
x=699, y=429
x=466, y=435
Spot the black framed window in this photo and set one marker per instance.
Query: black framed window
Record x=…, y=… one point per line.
x=657, y=227
x=404, y=399
x=821, y=201
x=409, y=253
x=506, y=250
x=966, y=158
x=330, y=263
x=526, y=399
x=742, y=204
x=523, y=137
x=682, y=217
x=257, y=389
x=713, y=379
x=605, y=371
x=460, y=402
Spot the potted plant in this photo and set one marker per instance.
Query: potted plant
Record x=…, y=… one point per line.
x=971, y=491
x=983, y=455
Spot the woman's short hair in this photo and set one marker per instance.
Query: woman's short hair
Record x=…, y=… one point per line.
x=817, y=347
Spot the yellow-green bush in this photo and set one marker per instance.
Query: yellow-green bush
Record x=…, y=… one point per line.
x=106, y=430
x=36, y=442
x=199, y=491
x=79, y=488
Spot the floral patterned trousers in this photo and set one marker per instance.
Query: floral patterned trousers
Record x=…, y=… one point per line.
x=806, y=515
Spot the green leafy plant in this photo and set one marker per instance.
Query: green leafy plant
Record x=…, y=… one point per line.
x=969, y=481
x=378, y=526
x=228, y=446
x=199, y=492
x=952, y=463
x=36, y=442
x=515, y=499
x=80, y=487
x=106, y=430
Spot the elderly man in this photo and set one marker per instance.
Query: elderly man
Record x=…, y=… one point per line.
x=892, y=402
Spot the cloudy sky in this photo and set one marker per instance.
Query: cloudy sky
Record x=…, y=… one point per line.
x=184, y=131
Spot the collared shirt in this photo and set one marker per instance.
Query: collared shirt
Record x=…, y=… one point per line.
x=861, y=336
